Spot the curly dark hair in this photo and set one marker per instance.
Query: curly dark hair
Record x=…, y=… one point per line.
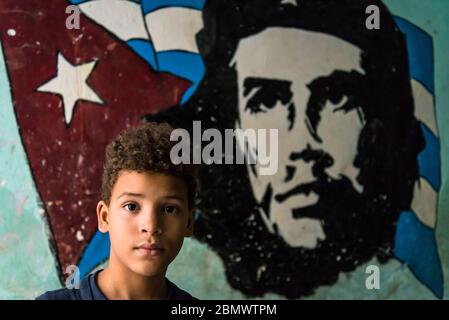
x=145, y=148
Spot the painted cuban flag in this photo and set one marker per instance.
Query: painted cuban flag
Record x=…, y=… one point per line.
x=73, y=91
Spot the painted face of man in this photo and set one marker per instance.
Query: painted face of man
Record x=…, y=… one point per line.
x=301, y=83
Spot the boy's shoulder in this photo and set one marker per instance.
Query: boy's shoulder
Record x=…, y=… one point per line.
x=60, y=294
x=88, y=290
x=176, y=293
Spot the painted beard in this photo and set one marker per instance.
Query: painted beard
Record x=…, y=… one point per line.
x=357, y=227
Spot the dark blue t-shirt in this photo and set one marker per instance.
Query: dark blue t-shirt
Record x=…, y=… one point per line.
x=89, y=290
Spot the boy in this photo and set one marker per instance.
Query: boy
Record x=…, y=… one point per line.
x=147, y=208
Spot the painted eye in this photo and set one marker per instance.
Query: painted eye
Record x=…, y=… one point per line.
x=339, y=101
x=265, y=94
x=131, y=207
x=170, y=209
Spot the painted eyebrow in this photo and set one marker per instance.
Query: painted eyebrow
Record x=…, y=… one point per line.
x=252, y=82
x=338, y=76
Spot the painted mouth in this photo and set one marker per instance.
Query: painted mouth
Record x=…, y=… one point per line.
x=305, y=189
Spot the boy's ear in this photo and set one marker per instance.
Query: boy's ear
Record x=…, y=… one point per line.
x=190, y=223
x=103, y=216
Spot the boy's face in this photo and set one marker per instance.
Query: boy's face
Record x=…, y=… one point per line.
x=146, y=210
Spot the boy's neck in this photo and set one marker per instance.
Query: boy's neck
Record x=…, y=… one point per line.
x=117, y=282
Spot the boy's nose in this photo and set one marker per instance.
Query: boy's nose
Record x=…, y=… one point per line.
x=151, y=223
x=151, y=229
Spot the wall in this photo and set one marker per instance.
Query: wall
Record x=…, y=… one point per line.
x=65, y=93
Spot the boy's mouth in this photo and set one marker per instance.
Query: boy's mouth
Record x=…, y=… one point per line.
x=151, y=250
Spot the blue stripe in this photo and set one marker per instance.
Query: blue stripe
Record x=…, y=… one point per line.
x=429, y=161
x=420, y=50
x=415, y=245
x=415, y=242
x=96, y=252
x=145, y=50
x=82, y=1
x=184, y=64
x=151, y=5
x=78, y=1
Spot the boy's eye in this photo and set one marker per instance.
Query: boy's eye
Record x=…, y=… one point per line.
x=170, y=209
x=131, y=207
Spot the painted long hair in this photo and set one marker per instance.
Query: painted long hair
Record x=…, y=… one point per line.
x=363, y=226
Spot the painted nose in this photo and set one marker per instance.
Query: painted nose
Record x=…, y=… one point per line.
x=319, y=158
x=304, y=154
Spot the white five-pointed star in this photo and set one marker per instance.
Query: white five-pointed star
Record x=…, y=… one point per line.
x=70, y=83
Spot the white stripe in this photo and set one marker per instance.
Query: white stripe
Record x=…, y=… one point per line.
x=174, y=28
x=424, y=203
x=123, y=18
x=424, y=106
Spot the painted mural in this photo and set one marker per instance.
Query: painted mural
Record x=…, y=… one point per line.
x=360, y=169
